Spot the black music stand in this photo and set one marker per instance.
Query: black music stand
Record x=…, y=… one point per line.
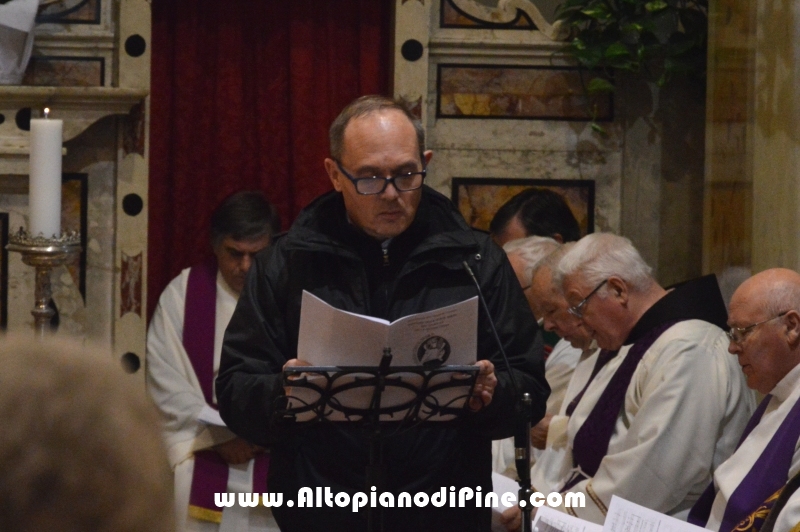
x=358, y=394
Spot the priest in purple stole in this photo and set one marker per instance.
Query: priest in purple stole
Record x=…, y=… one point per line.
x=667, y=402
x=750, y=485
x=184, y=343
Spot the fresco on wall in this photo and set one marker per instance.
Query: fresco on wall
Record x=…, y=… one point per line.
x=482, y=14
x=69, y=12
x=543, y=93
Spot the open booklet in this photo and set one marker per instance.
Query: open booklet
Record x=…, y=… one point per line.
x=622, y=516
x=332, y=337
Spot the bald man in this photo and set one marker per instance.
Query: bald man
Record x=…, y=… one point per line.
x=765, y=337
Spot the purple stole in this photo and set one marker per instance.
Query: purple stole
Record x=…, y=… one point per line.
x=591, y=440
x=755, y=495
x=210, y=473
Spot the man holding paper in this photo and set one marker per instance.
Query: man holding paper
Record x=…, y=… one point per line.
x=383, y=245
x=765, y=337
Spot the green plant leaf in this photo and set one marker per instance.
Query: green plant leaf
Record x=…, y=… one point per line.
x=599, y=86
x=616, y=50
x=655, y=5
x=597, y=128
x=598, y=12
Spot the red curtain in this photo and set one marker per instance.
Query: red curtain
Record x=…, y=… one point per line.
x=243, y=92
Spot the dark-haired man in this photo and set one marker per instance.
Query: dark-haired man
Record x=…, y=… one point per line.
x=384, y=245
x=535, y=212
x=183, y=344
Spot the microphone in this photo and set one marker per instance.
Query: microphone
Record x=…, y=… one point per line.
x=522, y=444
x=514, y=384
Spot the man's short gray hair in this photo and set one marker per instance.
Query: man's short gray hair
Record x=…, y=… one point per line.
x=531, y=250
x=366, y=105
x=599, y=256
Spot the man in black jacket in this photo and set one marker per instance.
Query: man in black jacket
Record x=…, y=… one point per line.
x=383, y=245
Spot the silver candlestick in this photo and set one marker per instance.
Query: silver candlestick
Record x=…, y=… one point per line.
x=44, y=254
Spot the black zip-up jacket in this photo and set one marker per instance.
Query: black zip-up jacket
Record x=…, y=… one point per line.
x=420, y=270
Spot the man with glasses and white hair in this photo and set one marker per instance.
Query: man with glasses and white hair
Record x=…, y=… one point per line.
x=384, y=245
x=765, y=337
x=661, y=415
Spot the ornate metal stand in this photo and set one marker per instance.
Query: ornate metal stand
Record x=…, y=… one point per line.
x=44, y=254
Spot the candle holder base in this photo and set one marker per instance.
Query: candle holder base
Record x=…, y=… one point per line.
x=44, y=254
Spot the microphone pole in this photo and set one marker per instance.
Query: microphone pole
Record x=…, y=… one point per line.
x=522, y=434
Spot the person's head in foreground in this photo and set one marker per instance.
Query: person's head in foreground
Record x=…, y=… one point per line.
x=378, y=163
x=80, y=447
x=765, y=327
x=241, y=226
x=608, y=286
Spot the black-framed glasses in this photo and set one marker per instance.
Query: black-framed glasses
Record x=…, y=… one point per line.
x=377, y=184
x=737, y=335
x=577, y=310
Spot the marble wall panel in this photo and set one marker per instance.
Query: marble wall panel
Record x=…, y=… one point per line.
x=601, y=167
x=547, y=93
x=54, y=71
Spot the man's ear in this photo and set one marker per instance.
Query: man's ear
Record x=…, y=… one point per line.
x=618, y=289
x=792, y=320
x=333, y=174
x=428, y=156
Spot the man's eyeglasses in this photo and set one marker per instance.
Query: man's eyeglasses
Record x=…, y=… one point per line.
x=577, y=310
x=737, y=335
x=377, y=184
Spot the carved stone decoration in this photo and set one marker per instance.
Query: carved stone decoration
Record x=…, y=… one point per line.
x=133, y=138
x=506, y=12
x=131, y=285
x=414, y=105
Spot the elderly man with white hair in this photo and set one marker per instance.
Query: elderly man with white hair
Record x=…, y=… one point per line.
x=755, y=480
x=524, y=254
x=661, y=415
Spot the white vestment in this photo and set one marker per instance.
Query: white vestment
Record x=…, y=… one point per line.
x=684, y=411
x=551, y=465
x=174, y=387
x=728, y=476
x=564, y=361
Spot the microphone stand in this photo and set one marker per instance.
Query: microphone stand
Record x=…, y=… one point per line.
x=522, y=434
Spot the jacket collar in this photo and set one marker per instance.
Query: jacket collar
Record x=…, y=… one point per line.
x=323, y=226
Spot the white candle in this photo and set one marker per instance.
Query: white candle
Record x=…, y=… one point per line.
x=44, y=195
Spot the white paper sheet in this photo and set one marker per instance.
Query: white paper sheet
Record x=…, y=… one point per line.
x=625, y=516
x=550, y=520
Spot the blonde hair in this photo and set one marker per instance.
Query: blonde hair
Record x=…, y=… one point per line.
x=80, y=446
